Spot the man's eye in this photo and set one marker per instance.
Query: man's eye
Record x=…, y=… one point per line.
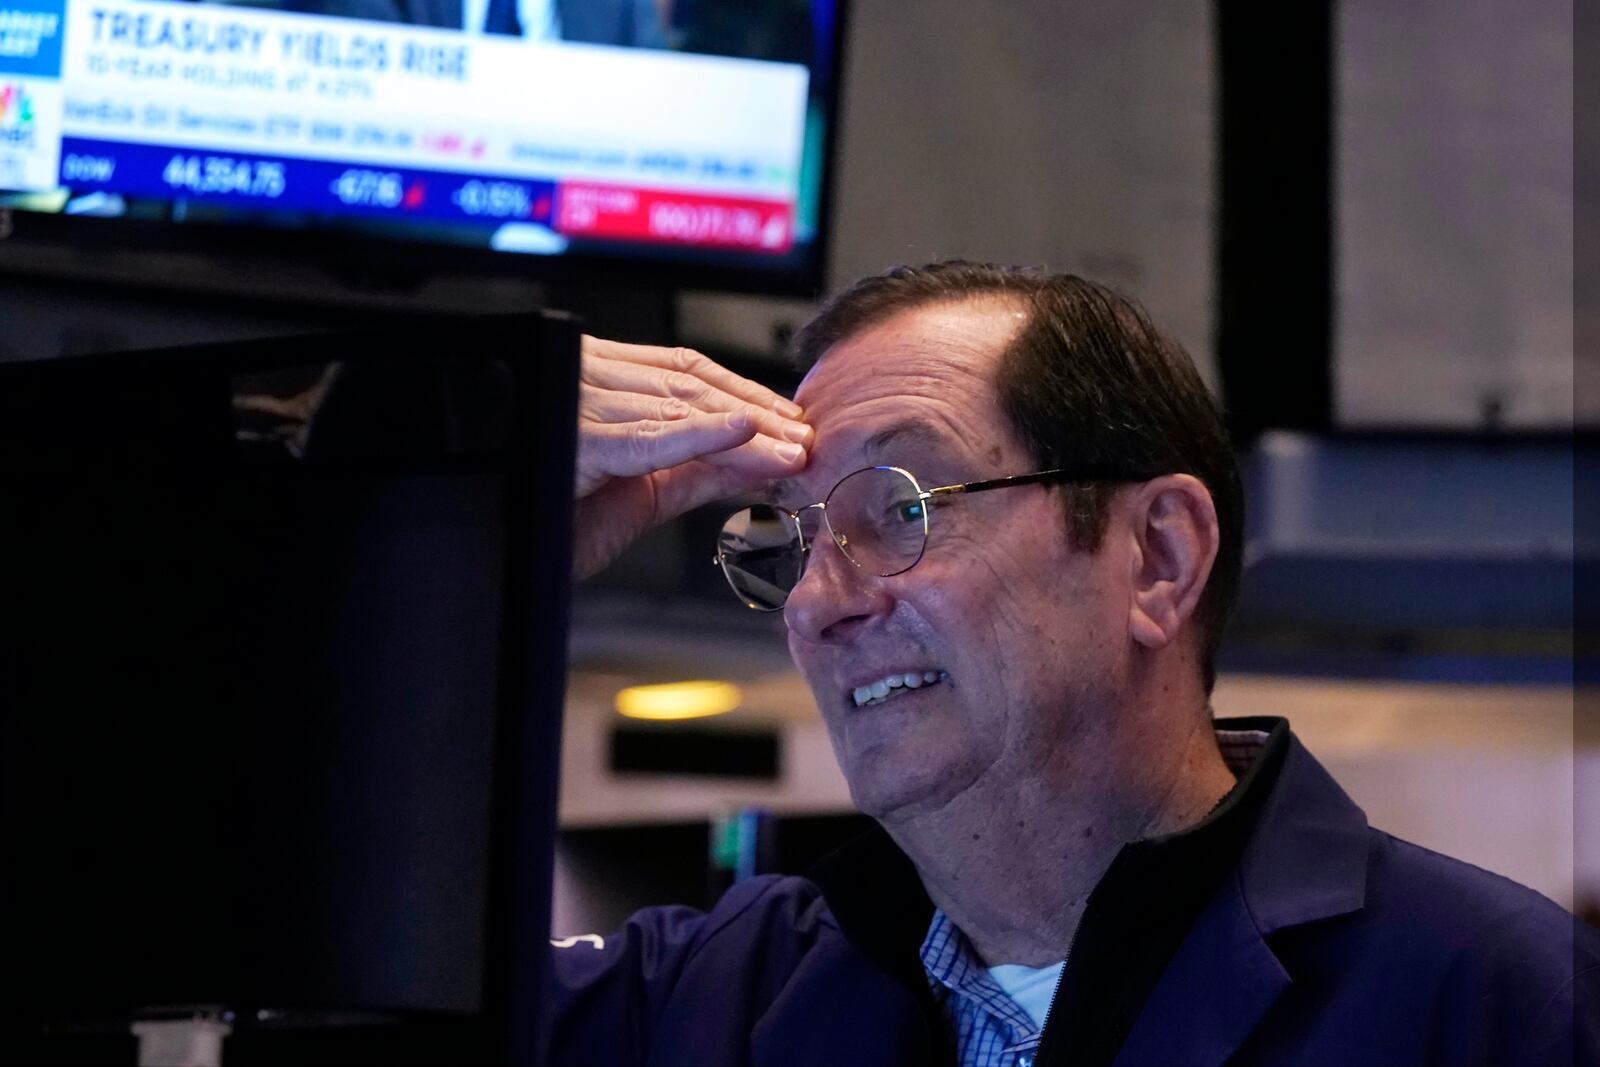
x=909, y=511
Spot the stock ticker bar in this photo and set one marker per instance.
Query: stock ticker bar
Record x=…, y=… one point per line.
x=284, y=182
x=576, y=209
x=625, y=213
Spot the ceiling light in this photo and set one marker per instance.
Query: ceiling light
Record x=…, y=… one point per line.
x=678, y=700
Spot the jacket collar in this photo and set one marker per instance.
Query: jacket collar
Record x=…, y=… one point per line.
x=1146, y=904
x=1308, y=858
x=1305, y=862
x=878, y=900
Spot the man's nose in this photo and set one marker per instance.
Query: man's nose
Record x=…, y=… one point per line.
x=834, y=598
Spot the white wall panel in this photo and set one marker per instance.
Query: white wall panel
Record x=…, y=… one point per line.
x=1075, y=135
x=1454, y=208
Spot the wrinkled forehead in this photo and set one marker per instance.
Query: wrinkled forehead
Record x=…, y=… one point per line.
x=960, y=335
x=917, y=386
x=955, y=343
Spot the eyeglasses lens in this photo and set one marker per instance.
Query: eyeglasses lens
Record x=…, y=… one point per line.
x=760, y=552
x=878, y=517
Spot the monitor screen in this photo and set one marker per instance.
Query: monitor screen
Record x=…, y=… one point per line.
x=682, y=133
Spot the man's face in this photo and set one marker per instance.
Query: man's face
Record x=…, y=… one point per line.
x=1027, y=636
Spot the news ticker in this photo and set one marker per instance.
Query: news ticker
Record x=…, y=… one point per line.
x=572, y=209
x=285, y=112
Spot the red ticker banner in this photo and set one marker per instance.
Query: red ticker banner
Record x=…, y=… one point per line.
x=586, y=209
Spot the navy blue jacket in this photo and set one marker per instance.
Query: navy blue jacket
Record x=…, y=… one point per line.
x=1330, y=943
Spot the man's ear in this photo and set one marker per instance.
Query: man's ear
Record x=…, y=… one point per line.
x=1174, y=525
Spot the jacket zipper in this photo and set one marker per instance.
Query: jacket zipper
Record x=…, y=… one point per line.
x=1050, y=1009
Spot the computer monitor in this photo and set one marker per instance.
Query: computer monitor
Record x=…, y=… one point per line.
x=684, y=140
x=282, y=650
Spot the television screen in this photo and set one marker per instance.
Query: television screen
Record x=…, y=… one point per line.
x=690, y=133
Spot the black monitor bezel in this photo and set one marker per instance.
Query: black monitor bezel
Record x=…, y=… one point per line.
x=540, y=350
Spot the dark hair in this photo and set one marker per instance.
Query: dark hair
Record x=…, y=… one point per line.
x=1088, y=379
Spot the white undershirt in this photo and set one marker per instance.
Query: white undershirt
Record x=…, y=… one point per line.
x=1031, y=987
x=539, y=18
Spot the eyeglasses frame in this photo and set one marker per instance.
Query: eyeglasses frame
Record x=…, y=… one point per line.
x=1083, y=474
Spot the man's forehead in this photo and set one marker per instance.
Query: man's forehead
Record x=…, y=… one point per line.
x=970, y=331
x=905, y=435
x=943, y=352
x=908, y=384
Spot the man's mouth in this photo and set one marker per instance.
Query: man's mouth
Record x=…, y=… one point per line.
x=892, y=685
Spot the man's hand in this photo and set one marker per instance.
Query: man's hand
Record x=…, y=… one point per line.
x=663, y=430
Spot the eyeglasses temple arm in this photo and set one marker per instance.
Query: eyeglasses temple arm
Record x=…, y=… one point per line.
x=1096, y=472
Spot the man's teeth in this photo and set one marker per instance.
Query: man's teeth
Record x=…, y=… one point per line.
x=879, y=691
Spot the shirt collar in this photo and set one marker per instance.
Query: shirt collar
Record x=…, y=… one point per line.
x=953, y=964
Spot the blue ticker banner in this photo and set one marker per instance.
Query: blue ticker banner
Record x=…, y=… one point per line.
x=286, y=183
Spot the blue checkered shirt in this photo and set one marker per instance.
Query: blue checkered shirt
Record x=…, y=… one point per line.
x=990, y=1029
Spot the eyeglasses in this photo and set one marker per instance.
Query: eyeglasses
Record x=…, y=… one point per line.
x=878, y=516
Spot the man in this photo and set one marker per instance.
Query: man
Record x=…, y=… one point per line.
x=1076, y=864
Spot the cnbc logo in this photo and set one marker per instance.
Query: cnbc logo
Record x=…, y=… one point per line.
x=16, y=116
x=16, y=106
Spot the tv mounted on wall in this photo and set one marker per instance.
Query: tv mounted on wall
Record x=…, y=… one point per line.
x=683, y=141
